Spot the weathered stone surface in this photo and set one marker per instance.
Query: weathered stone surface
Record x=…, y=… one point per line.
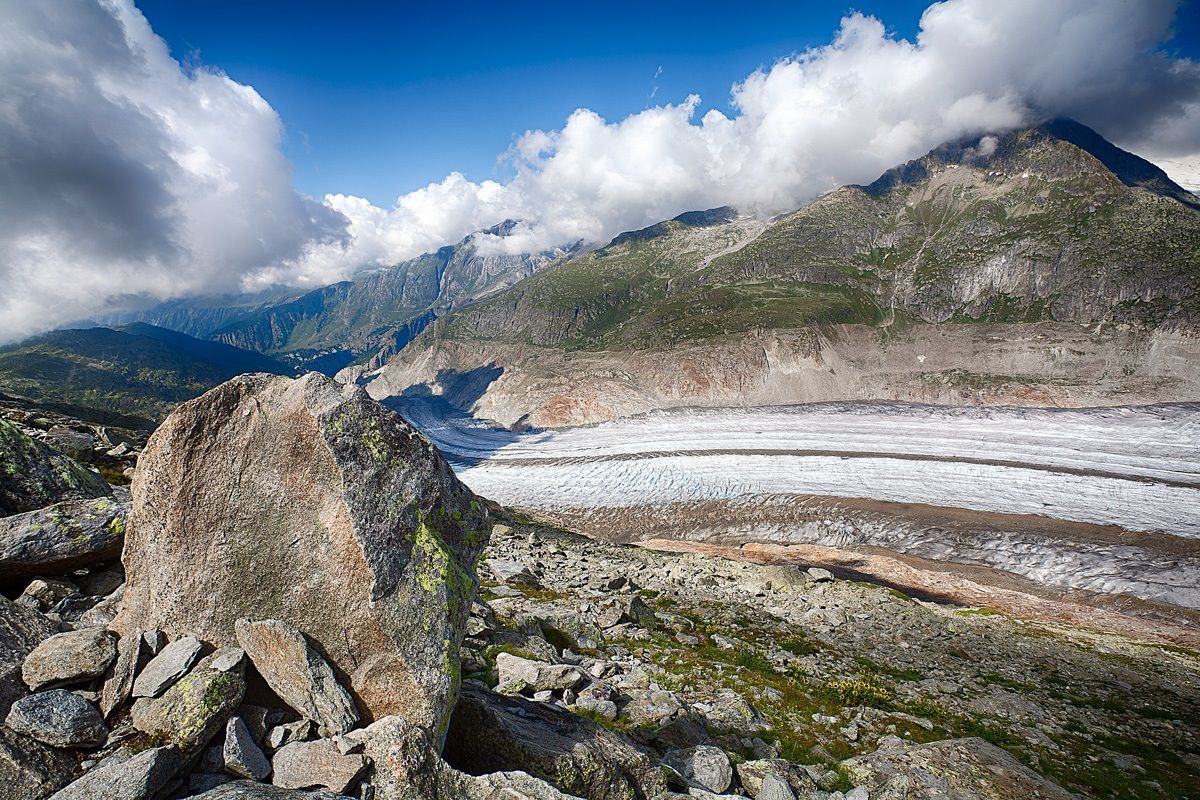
x=31, y=770
x=126, y=777
x=45, y=593
x=248, y=790
x=965, y=769
x=508, y=571
x=34, y=476
x=524, y=674
x=62, y=537
x=168, y=666
x=345, y=523
x=21, y=630
x=196, y=706
x=69, y=657
x=773, y=788
x=704, y=765
x=241, y=754
x=753, y=774
x=406, y=767
x=119, y=684
x=298, y=674
x=629, y=608
x=303, y=765
x=494, y=733
x=58, y=718
x=73, y=442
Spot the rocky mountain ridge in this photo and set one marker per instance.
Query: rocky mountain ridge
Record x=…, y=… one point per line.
x=997, y=269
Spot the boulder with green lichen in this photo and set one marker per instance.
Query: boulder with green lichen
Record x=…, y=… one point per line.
x=306, y=502
x=33, y=475
x=196, y=706
x=62, y=537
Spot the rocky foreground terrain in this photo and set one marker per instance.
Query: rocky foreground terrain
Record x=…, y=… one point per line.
x=298, y=612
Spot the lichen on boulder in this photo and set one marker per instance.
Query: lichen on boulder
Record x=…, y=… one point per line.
x=307, y=502
x=33, y=475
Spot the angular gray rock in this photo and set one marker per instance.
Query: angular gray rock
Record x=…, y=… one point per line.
x=196, y=706
x=33, y=476
x=29, y=769
x=304, y=765
x=346, y=523
x=70, y=657
x=21, y=630
x=773, y=788
x=119, y=685
x=298, y=674
x=241, y=754
x=248, y=790
x=523, y=674
x=509, y=571
x=406, y=767
x=753, y=775
x=493, y=733
x=704, y=766
x=126, y=777
x=58, y=718
x=951, y=768
x=62, y=537
x=45, y=593
x=171, y=664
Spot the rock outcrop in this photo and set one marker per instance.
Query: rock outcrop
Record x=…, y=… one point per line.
x=61, y=537
x=307, y=502
x=33, y=475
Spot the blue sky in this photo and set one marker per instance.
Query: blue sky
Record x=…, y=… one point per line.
x=380, y=98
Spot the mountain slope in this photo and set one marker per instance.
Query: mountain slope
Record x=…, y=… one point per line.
x=379, y=311
x=1042, y=229
x=131, y=375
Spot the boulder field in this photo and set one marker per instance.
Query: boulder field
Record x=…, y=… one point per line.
x=298, y=614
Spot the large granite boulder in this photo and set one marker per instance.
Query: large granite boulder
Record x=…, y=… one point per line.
x=63, y=537
x=305, y=501
x=33, y=475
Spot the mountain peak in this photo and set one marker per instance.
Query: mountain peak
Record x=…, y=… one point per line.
x=1012, y=149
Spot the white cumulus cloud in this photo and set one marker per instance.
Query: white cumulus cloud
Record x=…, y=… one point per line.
x=121, y=173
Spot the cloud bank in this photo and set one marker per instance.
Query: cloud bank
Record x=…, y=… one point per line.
x=122, y=173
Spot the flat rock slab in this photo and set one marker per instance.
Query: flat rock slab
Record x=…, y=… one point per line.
x=70, y=657
x=248, y=790
x=345, y=523
x=63, y=537
x=171, y=664
x=34, y=476
x=298, y=674
x=525, y=674
x=30, y=769
x=58, y=718
x=302, y=765
x=130, y=778
x=119, y=685
x=965, y=769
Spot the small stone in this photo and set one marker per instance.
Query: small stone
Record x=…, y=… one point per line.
x=858, y=793
x=536, y=675
x=291, y=732
x=819, y=574
x=167, y=667
x=58, y=718
x=704, y=766
x=155, y=641
x=301, y=765
x=509, y=571
x=71, y=657
x=241, y=755
x=44, y=594
x=298, y=674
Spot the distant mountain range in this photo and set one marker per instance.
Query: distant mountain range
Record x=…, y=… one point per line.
x=367, y=319
x=130, y=376
x=1036, y=266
